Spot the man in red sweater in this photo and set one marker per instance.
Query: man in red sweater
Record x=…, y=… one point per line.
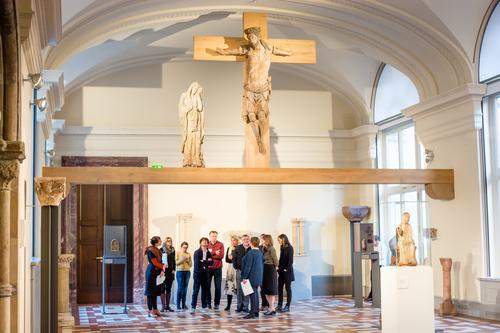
x=216, y=248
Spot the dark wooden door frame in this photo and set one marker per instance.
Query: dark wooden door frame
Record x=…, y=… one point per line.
x=140, y=218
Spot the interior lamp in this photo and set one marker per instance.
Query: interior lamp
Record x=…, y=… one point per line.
x=36, y=80
x=41, y=103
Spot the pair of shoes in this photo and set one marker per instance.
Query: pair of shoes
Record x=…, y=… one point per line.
x=279, y=308
x=156, y=313
x=227, y=308
x=286, y=308
x=169, y=309
x=269, y=313
x=216, y=307
x=250, y=316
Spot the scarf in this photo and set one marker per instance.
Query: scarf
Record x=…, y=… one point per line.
x=155, y=252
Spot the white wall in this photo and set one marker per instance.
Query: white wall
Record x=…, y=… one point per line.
x=148, y=97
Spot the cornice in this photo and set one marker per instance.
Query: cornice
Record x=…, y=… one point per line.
x=447, y=100
x=365, y=130
x=451, y=114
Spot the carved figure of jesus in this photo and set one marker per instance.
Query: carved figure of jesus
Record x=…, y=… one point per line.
x=191, y=114
x=405, y=248
x=257, y=85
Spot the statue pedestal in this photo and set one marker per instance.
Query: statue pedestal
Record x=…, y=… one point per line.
x=407, y=299
x=302, y=287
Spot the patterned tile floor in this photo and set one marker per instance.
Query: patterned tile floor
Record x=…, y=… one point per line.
x=317, y=315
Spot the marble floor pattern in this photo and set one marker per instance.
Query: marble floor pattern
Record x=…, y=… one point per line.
x=317, y=315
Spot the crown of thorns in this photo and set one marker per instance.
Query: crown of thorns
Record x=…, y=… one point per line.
x=253, y=30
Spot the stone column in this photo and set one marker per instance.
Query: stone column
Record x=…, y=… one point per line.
x=65, y=319
x=298, y=235
x=50, y=192
x=447, y=307
x=11, y=154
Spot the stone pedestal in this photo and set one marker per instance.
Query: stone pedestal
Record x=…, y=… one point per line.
x=65, y=319
x=407, y=299
x=446, y=308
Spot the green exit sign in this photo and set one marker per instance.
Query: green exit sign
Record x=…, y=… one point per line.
x=157, y=166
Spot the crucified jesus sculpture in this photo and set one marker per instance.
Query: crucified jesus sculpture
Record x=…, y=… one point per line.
x=257, y=84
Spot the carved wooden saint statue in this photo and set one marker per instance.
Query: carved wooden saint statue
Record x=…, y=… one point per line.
x=405, y=246
x=257, y=85
x=191, y=114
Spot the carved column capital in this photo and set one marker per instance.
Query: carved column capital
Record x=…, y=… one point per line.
x=11, y=154
x=50, y=190
x=65, y=260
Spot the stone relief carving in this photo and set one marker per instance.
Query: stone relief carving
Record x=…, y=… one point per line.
x=50, y=190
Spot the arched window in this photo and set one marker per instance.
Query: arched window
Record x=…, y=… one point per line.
x=489, y=72
x=397, y=148
x=394, y=92
x=489, y=65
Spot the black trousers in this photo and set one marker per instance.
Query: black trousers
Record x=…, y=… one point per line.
x=200, y=281
x=152, y=302
x=284, y=281
x=216, y=275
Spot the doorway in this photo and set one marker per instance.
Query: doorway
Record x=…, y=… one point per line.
x=99, y=205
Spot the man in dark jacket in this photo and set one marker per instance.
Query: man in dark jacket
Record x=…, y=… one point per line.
x=251, y=272
x=239, y=252
x=201, y=259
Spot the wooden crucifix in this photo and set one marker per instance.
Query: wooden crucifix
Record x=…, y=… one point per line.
x=256, y=52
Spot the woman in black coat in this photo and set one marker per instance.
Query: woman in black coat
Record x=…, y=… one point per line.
x=168, y=257
x=285, y=271
x=155, y=268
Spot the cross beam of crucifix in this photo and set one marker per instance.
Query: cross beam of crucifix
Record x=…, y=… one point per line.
x=257, y=52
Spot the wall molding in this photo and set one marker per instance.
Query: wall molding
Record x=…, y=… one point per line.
x=223, y=147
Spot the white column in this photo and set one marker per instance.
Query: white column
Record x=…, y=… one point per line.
x=449, y=125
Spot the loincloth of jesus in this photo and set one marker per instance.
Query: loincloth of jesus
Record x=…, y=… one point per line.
x=256, y=98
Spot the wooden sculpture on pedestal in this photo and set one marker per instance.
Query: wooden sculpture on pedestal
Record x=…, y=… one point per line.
x=405, y=246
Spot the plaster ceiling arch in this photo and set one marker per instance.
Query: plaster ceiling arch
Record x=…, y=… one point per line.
x=366, y=27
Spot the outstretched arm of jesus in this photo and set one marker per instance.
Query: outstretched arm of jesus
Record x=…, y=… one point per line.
x=235, y=51
x=281, y=52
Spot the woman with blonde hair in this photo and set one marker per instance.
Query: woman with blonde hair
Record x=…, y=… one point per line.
x=183, y=263
x=231, y=288
x=270, y=278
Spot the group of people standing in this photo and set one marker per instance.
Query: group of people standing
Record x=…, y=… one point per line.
x=250, y=260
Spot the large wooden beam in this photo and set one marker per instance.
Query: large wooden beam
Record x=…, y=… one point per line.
x=432, y=178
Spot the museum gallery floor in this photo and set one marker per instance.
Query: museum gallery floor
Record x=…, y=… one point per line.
x=317, y=315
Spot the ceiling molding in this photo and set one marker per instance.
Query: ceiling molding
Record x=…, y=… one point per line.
x=100, y=22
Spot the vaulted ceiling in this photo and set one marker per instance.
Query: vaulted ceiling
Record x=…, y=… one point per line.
x=431, y=41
